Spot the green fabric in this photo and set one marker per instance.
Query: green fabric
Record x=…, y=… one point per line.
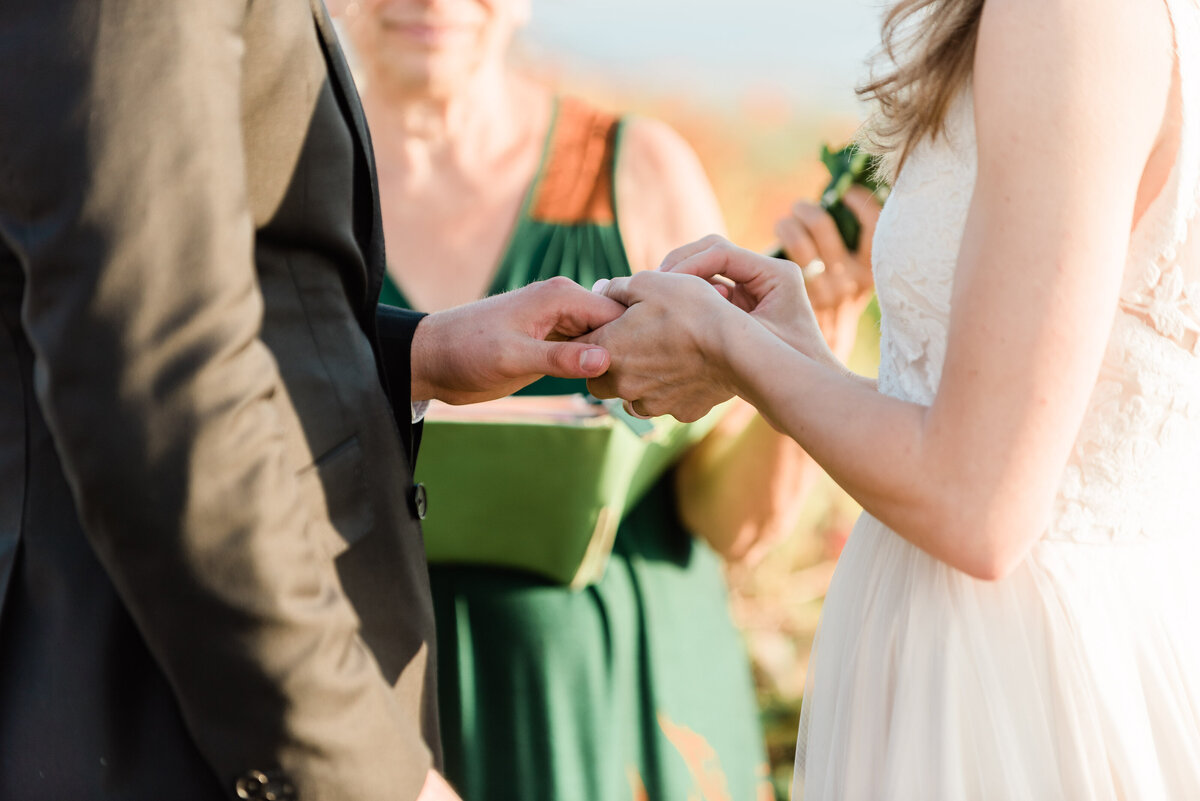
x=548, y=693
x=639, y=680
x=544, y=498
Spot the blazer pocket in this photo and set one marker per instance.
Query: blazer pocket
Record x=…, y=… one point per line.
x=336, y=485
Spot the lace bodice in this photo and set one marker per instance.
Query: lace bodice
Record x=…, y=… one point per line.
x=1135, y=469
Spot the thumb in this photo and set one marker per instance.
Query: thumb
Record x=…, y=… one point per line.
x=568, y=359
x=577, y=311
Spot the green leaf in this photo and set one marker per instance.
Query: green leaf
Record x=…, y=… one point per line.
x=847, y=167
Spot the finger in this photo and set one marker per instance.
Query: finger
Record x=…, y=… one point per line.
x=602, y=387
x=824, y=233
x=687, y=251
x=631, y=290
x=820, y=292
x=574, y=310
x=738, y=265
x=797, y=244
x=838, y=284
x=690, y=414
x=867, y=209
x=708, y=264
x=864, y=278
x=566, y=359
x=632, y=408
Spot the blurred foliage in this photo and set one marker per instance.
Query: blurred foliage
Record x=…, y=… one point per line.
x=847, y=167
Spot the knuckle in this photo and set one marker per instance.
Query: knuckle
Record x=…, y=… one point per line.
x=804, y=209
x=824, y=226
x=504, y=365
x=819, y=295
x=559, y=283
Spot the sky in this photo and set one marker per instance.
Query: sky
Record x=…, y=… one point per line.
x=810, y=51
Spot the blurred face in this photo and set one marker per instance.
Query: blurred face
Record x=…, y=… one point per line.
x=432, y=46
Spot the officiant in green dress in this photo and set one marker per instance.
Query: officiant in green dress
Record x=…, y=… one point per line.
x=638, y=685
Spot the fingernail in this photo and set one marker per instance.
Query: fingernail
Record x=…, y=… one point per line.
x=592, y=359
x=600, y=284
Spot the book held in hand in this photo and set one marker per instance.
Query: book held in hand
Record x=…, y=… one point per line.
x=540, y=483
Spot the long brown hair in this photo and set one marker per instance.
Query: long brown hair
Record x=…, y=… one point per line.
x=930, y=49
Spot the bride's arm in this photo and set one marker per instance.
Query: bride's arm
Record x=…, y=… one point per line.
x=1069, y=99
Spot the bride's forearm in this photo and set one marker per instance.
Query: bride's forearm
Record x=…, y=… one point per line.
x=879, y=449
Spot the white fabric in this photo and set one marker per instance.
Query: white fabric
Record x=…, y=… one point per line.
x=1077, y=677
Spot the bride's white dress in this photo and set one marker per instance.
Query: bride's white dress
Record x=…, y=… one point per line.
x=1078, y=676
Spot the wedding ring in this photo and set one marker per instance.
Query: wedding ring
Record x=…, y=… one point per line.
x=812, y=269
x=632, y=408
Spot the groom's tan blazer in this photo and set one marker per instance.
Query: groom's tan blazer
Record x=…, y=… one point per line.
x=212, y=583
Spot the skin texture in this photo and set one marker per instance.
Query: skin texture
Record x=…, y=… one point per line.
x=437, y=789
x=1074, y=99
x=463, y=353
x=458, y=137
x=493, y=347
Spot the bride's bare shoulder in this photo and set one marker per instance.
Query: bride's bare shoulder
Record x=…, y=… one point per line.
x=1084, y=69
x=1024, y=35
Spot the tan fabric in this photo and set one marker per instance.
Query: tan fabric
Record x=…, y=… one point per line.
x=576, y=182
x=192, y=423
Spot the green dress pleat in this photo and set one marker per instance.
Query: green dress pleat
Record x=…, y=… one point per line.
x=636, y=687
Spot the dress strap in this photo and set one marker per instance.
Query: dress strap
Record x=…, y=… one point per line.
x=1163, y=276
x=1185, y=21
x=576, y=183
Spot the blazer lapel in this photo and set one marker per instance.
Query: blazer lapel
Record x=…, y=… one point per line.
x=376, y=259
x=343, y=86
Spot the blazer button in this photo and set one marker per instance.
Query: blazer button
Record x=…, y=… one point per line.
x=259, y=786
x=419, y=500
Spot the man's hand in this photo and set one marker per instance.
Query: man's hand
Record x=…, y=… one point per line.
x=493, y=347
x=437, y=789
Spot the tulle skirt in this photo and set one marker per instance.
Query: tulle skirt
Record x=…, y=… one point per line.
x=1077, y=677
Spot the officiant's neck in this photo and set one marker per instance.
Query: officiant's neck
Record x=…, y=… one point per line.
x=484, y=115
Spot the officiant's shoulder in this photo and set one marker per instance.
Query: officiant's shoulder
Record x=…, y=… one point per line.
x=663, y=195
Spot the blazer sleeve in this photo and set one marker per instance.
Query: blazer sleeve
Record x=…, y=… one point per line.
x=123, y=192
x=396, y=328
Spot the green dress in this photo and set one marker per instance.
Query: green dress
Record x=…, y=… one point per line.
x=636, y=687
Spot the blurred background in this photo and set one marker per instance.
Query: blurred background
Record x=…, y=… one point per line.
x=755, y=86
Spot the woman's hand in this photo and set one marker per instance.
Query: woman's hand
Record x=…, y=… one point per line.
x=667, y=348
x=839, y=282
x=771, y=290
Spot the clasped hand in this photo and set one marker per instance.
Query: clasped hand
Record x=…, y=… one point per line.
x=662, y=340
x=671, y=348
